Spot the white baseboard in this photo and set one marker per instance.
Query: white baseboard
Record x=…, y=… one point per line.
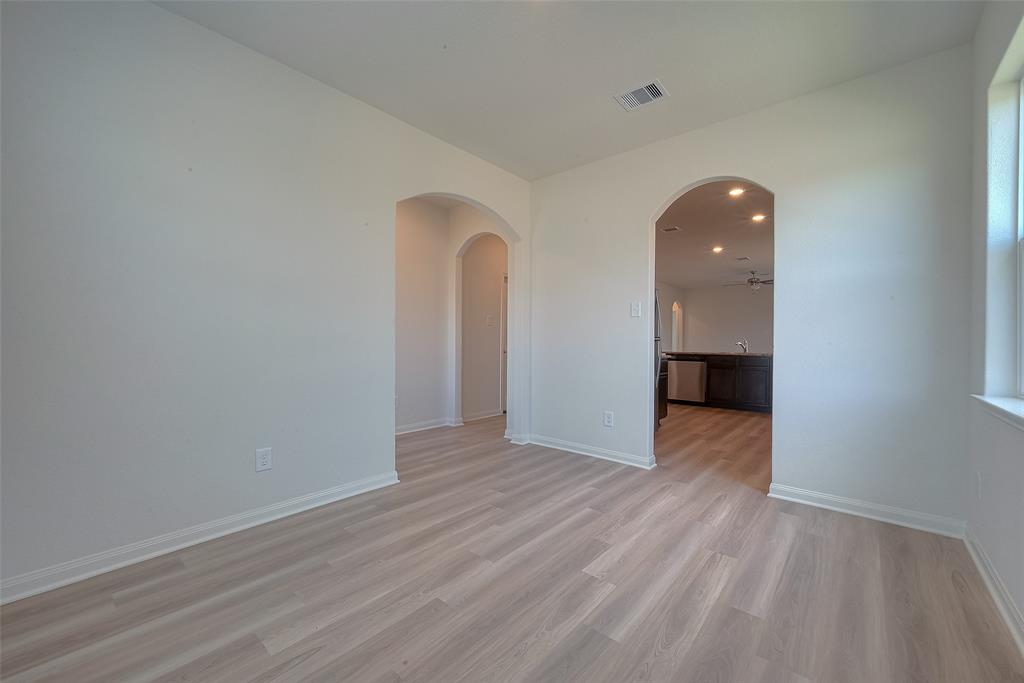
x=924, y=521
x=517, y=439
x=428, y=424
x=481, y=416
x=48, y=578
x=1009, y=610
x=593, y=451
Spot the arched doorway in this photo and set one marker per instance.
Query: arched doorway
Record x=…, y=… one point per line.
x=481, y=328
x=441, y=240
x=676, y=342
x=712, y=258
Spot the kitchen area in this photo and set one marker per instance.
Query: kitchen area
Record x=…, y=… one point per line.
x=714, y=302
x=740, y=381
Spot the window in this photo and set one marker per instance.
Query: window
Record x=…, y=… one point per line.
x=1002, y=381
x=1019, y=285
x=1020, y=309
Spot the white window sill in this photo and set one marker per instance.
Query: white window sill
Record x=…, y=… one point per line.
x=1009, y=410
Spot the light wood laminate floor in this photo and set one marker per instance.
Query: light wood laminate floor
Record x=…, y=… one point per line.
x=494, y=562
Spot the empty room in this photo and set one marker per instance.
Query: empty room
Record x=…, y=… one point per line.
x=515, y=341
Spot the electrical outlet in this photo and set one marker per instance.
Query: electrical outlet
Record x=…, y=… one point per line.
x=264, y=459
x=609, y=418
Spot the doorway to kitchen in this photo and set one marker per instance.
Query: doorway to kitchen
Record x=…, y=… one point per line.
x=714, y=327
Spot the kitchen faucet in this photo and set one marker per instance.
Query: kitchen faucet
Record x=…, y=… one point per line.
x=743, y=344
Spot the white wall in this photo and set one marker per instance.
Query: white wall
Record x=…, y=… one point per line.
x=995, y=504
x=994, y=474
x=871, y=304
x=714, y=318
x=483, y=271
x=198, y=260
x=421, y=314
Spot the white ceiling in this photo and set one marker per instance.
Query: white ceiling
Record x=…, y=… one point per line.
x=529, y=86
x=707, y=217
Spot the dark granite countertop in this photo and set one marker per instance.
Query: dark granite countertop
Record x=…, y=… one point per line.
x=715, y=353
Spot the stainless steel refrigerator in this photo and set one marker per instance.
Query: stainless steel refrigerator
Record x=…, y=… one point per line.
x=660, y=366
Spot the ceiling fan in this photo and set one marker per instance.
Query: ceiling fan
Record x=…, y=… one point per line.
x=754, y=281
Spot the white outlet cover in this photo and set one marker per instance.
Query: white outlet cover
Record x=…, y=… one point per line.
x=264, y=459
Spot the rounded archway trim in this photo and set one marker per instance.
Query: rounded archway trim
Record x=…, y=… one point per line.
x=510, y=233
x=704, y=181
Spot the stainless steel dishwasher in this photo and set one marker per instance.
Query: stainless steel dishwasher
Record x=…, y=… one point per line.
x=686, y=380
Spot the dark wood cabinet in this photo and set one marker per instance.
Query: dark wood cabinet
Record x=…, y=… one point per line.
x=753, y=387
x=721, y=380
x=737, y=381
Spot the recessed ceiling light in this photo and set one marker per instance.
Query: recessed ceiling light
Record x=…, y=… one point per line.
x=758, y=217
x=736, y=191
x=718, y=250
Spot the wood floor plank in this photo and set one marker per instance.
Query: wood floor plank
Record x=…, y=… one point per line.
x=665, y=638
x=724, y=647
x=492, y=562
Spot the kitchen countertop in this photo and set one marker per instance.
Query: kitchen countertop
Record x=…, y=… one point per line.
x=715, y=353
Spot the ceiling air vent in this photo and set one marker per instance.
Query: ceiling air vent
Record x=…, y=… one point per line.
x=670, y=228
x=645, y=94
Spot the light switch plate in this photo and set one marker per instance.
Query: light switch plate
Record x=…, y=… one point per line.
x=634, y=309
